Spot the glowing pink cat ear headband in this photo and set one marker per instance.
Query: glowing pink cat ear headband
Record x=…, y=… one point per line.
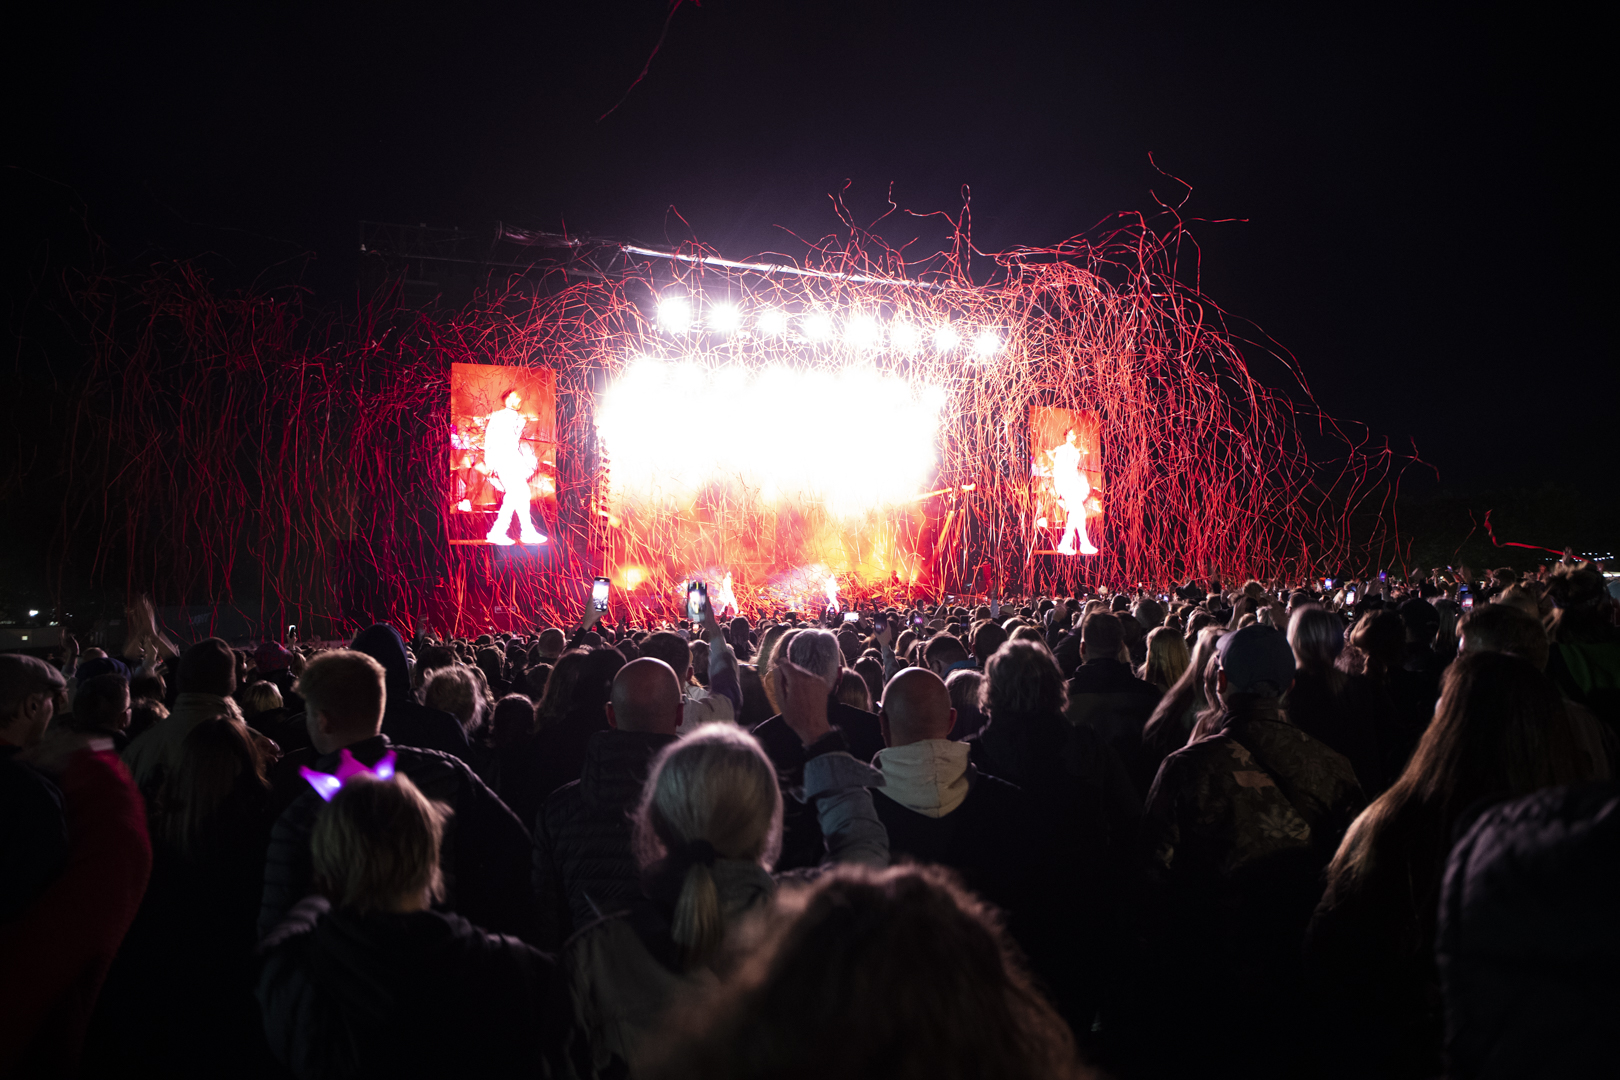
x=327, y=785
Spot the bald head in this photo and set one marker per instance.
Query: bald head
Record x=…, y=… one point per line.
x=646, y=697
x=916, y=706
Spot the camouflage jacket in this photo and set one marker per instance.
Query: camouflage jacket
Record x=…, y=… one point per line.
x=1257, y=788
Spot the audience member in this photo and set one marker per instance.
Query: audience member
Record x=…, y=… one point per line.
x=1107, y=698
x=584, y=866
x=872, y=975
x=366, y=979
x=404, y=720
x=489, y=847
x=1500, y=731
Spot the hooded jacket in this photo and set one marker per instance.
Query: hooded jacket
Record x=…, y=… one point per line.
x=939, y=808
x=401, y=995
x=583, y=864
x=406, y=722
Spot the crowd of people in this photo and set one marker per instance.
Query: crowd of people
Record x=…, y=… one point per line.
x=1366, y=830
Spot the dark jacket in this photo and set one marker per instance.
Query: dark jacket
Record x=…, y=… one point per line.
x=1106, y=697
x=33, y=833
x=1529, y=955
x=1000, y=843
x=802, y=844
x=1073, y=775
x=179, y=997
x=485, y=854
x=406, y=722
x=1348, y=717
x=583, y=864
x=399, y=995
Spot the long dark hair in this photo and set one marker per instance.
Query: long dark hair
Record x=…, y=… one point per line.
x=219, y=783
x=896, y=974
x=1499, y=731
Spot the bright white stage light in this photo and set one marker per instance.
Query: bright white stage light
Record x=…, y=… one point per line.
x=904, y=334
x=988, y=343
x=772, y=321
x=675, y=314
x=817, y=326
x=646, y=420
x=946, y=338
x=724, y=317
x=863, y=332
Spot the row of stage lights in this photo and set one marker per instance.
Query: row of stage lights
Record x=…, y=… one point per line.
x=676, y=316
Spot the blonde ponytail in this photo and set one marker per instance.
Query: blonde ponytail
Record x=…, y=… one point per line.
x=698, y=926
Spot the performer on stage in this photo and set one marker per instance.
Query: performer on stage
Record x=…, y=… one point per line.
x=1072, y=489
x=510, y=465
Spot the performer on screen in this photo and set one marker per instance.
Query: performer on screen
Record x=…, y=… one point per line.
x=1072, y=489
x=510, y=464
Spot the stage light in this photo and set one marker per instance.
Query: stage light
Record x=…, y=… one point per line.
x=772, y=321
x=817, y=326
x=675, y=314
x=988, y=343
x=724, y=317
x=651, y=467
x=904, y=334
x=863, y=332
x=946, y=338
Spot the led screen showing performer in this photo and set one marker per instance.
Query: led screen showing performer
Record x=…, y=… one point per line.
x=1066, y=469
x=503, y=452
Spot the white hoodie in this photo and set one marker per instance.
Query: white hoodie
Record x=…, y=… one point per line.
x=928, y=777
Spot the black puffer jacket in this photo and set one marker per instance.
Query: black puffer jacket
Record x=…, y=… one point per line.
x=1527, y=943
x=406, y=722
x=403, y=995
x=485, y=855
x=583, y=864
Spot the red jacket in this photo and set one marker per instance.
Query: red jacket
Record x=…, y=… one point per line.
x=54, y=956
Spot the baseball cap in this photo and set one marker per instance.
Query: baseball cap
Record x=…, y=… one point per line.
x=1256, y=655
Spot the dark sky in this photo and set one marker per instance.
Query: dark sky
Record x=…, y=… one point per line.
x=1419, y=222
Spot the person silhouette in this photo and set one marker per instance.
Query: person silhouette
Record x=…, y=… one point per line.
x=510, y=464
x=1072, y=489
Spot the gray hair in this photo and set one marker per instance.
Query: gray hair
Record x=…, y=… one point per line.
x=1317, y=636
x=818, y=651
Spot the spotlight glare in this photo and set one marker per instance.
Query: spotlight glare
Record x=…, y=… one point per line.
x=772, y=321
x=988, y=343
x=904, y=334
x=675, y=314
x=863, y=332
x=817, y=326
x=946, y=338
x=724, y=317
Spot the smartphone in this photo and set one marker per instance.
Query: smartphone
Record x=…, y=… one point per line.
x=1382, y=576
x=1327, y=583
x=1350, y=596
x=599, y=593
x=880, y=623
x=919, y=621
x=852, y=616
x=697, y=599
x=1465, y=597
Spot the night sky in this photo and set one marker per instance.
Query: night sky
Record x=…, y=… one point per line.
x=1418, y=221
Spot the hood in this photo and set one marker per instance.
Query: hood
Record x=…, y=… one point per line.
x=616, y=765
x=383, y=644
x=928, y=777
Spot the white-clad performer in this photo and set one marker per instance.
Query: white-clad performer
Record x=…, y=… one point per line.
x=511, y=464
x=1072, y=489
